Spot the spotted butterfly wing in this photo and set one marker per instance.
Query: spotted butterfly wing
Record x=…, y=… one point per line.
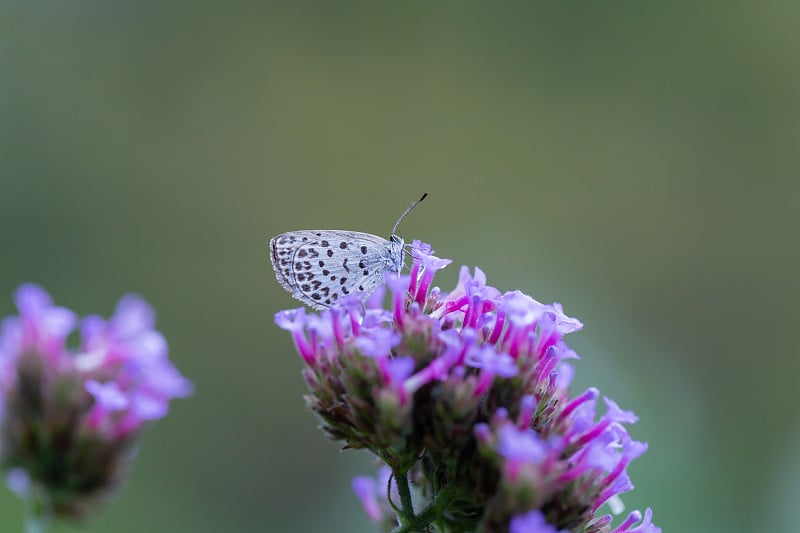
x=318, y=267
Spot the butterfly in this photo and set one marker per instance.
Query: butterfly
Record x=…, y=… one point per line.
x=319, y=267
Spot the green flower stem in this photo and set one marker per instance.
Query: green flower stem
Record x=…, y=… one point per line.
x=37, y=511
x=401, y=478
x=429, y=515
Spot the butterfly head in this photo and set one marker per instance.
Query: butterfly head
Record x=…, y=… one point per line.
x=397, y=253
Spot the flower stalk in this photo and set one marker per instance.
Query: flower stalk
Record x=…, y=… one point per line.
x=38, y=511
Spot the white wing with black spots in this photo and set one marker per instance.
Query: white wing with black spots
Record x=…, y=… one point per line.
x=318, y=267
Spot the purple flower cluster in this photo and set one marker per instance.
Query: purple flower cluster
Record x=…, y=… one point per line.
x=69, y=418
x=465, y=397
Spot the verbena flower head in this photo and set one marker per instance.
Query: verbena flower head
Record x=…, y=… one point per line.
x=465, y=396
x=70, y=417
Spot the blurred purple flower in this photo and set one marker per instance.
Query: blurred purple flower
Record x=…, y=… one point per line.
x=635, y=523
x=71, y=417
x=372, y=493
x=531, y=522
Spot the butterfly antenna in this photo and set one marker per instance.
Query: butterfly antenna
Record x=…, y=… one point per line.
x=406, y=212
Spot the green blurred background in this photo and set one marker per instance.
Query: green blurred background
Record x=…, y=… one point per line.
x=636, y=161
